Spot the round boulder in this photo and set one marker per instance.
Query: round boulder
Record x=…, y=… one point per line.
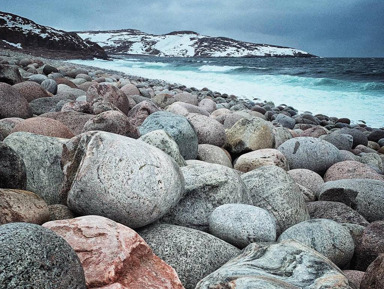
x=207, y=186
x=178, y=127
x=208, y=104
x=13, y=104
x=308, y=179
x=144, y=185
x=209, y=130
x=358, y=136
x=30, y=90
x=12, y=169
x=263, y=157
x=192, y=253
x=325, y=236
x=74, y=120
x=44, y=126
x=214, y=154
x=272, y=189
x=374, y=276
x=50, y=85
x=33, y=255
x=240, y=224
x=186, y=97
x=351, y=170
x=309, y=153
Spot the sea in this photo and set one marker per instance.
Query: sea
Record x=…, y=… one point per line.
x=339, y=87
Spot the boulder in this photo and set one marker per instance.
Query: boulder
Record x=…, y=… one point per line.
x=163, y=100
x=285, y=265
x=208, y=130
x=358, y=136
x=127, y=261
x=35, y=256
x=178, y=127
x=193, y=254
x=10, y=74
x=38, y=78
x=74, y=120
x=141, y=111
x=145, y=184
x=354, y=277
x=371, y=245
x=376, y=135
x=339, y=140
x=315, y=132
x=111, y=121
x=285, y=121
x=183, y=108
x=48, y=69
x=12, y=169
x=44, y=126
x=326, y=237
x=309, y=153
x=374, y=276
x=109, y=94
x=214, y=154
x=130, y=89
x=49, y=85
x=48, y=104
x=186, y=97
x=42, y=158
x=308, y=195
x=373, y=160
x=351, y=170
x=163, y=141
x=207, y=104
x=13, y=104
x=281, y=134
x=207, y=186
x=30, y=90
x=241, y=225
x=66, y=90
x=22, y=206
x=7, y=125
x=338, y=212
x=249, y=135
x=59, y=212
x=308, y=179
x=263, y=157
x=272, y=189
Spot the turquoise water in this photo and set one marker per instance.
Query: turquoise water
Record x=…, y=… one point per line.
x=340, y=87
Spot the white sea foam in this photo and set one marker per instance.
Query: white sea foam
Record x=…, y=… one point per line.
x=216, y=68
x=299, y=92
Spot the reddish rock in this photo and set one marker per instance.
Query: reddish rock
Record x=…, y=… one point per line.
x=314, y=131
x=130, y=89
x=141, y=111
x=374, y=276
x=22, y=206
x=370, y=246
x=73, y=120
x=113, y=255
x=354, y=277
x=351, y=170
x=183, y=108
x=208, y=130
x=13, y=104
x=111, y=121
x=110, y=94
x=78, y=106
x=44, y=126
x=308, y=179
x=31, y=90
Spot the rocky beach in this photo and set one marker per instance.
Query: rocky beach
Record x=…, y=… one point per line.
x=113, y=181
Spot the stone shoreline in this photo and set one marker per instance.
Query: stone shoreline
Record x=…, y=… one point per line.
x=157, y=185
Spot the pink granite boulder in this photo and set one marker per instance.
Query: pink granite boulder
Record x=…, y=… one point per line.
x=207, y=104
x=72, y=119
x=31, y=90
x=44, y=126
x=308, y=179
x=13, y=104
x=130, y=89
x=351, y=170
x=113, y=255
x=374, y=276
x=209, y=130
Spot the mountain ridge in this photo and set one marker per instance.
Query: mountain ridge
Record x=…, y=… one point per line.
x=183, y=43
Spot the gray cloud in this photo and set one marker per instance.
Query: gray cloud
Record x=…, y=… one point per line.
x=325, y=28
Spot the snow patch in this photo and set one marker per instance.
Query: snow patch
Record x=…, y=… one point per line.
x=17, y=45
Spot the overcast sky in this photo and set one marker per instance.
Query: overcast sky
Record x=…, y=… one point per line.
x=351, y=28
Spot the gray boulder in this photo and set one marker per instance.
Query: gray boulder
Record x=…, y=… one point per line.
x=285, y=121
x=178, y=127
x=286, y=265
x=193, y=254
x=310, y=153
x=49, y=85
x=364, y=195
x=42, y=158
x=163, y=141
x=358, y=136
x=12, y=169
x=209, y=130
x=136, y=183
x=207, y=186
x=339, y=140
x=33, y=256
x=214, y=154
x=10, y=74
x=272, y=189
x=325, y=236
x=240, y=224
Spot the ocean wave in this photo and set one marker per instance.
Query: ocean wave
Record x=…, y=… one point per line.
x=372, y=86
x=214, y=68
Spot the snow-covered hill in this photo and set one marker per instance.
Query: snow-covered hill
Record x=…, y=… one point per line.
x=183, y=44
x=23, y=34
